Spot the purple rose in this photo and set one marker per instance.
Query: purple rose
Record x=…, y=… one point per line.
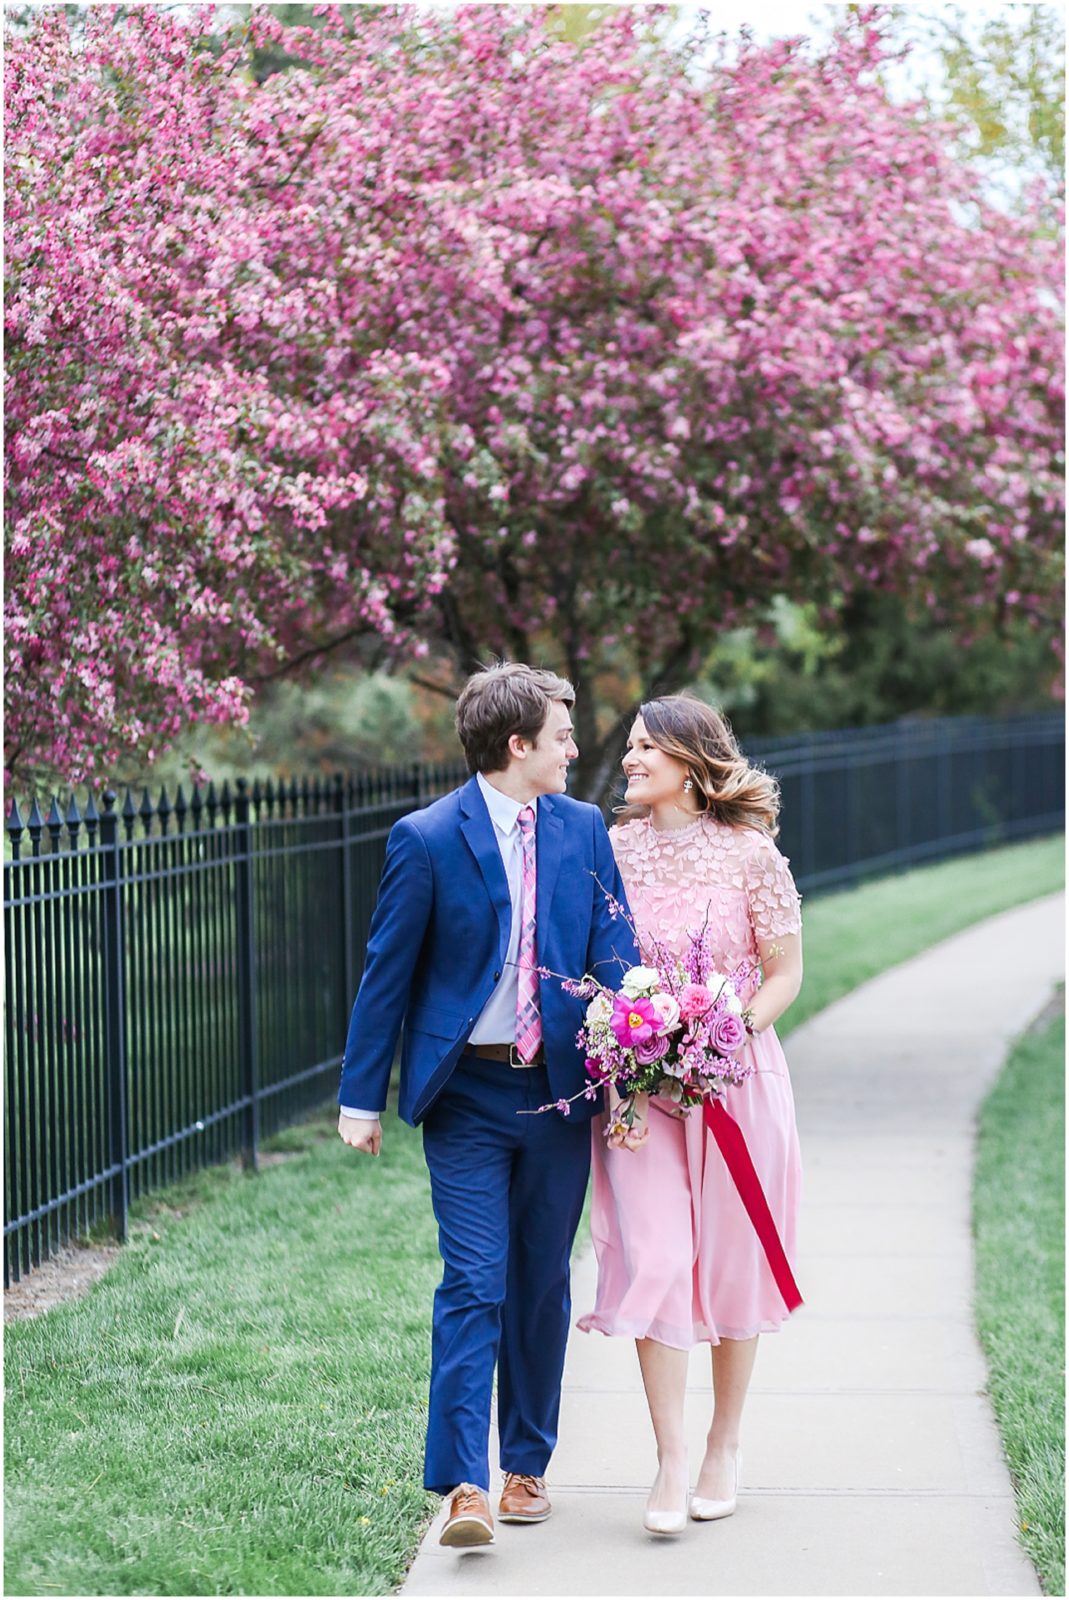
x=648, y=1050
x=727, y=1034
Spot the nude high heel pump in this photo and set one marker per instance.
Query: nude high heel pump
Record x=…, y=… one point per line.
x=666, y=1521
x=711, y=1510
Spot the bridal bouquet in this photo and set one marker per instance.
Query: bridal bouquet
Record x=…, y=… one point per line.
x=674, y=1028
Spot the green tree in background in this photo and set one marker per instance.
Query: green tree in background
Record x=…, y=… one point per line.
x=343, y=720
x=1002, y=82
x=797, y=672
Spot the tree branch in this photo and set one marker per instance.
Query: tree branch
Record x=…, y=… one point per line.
x=307, y=655
x=446, y=690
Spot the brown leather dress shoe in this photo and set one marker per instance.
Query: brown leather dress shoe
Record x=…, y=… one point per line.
x=470, y=1521
x=523, y=1499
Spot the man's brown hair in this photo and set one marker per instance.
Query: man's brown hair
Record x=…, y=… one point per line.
x=501, y=700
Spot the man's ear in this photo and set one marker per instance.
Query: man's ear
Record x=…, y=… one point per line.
x=518, y=746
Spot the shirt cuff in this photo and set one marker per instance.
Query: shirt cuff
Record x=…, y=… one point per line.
x=365, y=1116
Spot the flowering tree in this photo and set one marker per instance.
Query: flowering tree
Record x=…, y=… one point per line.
x=476, y=339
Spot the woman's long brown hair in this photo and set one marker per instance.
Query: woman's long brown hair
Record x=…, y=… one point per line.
x=732, y=790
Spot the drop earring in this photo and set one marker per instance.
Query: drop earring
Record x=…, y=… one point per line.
x=688, y=784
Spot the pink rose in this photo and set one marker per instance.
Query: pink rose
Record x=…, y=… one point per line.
x=727, y=1034
x=667, y=1009
x=694, y=1001
x=648, y=1050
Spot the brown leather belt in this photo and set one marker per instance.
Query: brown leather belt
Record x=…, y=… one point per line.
x=505, y=1053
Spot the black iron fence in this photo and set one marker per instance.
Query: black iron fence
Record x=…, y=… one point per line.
x=178, y=980
x=179, y=973
x=862, y=801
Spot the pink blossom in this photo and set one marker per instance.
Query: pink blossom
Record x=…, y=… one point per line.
x=282, y=372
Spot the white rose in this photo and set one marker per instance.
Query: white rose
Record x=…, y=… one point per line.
x=734, y=1005
x=599, y=1010
x=717, y=981
x=639, y=980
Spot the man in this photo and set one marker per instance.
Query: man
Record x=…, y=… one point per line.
x=478, y=891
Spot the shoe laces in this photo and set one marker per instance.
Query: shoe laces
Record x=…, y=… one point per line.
x=466, y=1497
x=531, y=1484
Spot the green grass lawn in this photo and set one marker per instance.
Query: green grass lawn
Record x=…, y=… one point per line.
x=238, y=1406
x=1019, y=1223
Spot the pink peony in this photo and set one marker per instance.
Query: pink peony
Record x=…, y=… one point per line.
x=694, y=1001
x=632, y=1021
x=727, y=1034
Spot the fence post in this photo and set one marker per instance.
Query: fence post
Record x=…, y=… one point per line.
x=248, y=1043
x=115, y=1013
x=348, y=957
x=904, y=753
x=942, y=772
x=808, y=809
x=853, y=847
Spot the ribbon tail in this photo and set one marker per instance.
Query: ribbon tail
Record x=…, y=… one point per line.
x=728, y=1135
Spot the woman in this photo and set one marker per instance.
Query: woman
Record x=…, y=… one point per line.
x=679, y=1262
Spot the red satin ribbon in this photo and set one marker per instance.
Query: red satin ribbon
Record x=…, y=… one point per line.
x=728, y=1135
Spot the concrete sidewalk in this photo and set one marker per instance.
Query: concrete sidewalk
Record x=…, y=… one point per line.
x=872, y=1464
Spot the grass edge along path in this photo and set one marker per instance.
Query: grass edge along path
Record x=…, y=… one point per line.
x=237, y=1407
x=1019, y=1229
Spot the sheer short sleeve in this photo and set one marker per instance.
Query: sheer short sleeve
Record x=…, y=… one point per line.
x=775, y=904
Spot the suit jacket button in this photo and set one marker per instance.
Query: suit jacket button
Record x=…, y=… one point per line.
x=497, y=977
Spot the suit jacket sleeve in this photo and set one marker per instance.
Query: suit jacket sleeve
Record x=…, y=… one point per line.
x=612, y=948
x=402, y=911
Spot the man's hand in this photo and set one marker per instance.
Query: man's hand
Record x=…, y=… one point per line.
x=362, y=1135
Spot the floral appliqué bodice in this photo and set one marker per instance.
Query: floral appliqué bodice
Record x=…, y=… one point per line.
x=733, y=877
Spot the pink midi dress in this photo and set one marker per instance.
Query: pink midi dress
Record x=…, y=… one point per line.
x=678, y=1258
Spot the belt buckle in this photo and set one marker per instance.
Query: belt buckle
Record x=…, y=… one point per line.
x=515, y=1062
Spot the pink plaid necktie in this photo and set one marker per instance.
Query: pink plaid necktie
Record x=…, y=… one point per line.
x=528, y=1016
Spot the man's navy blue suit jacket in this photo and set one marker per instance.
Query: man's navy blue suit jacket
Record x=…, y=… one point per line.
x=439, y=937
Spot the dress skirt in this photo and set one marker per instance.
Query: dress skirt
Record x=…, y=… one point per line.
x=678, y=1258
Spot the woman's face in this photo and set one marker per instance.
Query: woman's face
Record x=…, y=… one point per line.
x=653, y=776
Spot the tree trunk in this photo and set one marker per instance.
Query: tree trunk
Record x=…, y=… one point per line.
x=588, y=780
x=599, y=760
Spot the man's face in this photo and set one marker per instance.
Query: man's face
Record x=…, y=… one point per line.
x=545, y=763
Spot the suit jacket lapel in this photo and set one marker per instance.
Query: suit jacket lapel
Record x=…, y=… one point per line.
x=478, y=831
x=549, y=846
